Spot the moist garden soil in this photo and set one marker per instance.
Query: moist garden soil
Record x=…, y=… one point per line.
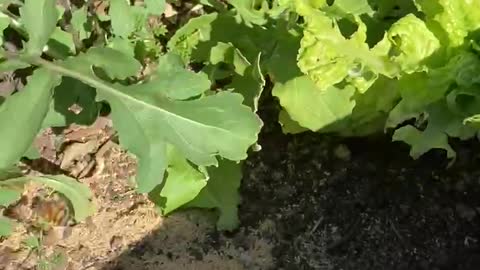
x=363, y=203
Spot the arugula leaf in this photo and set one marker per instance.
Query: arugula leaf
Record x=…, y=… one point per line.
x=6, y=226
x=221, y=193
x=185, y=39
x=4, y=23
x=147, y=119
x=122, y=45
x=80, y=22
x=251, y=84
x=247, y=78
x=9, y=196
x=155, y=7
x=40, y=19
x=247, y=10
x=62, y=43
x=174, y=81
x=23, y=125
x=182, y=184
x=122, y=18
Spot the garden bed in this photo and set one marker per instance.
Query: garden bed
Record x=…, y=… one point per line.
x=309, y=201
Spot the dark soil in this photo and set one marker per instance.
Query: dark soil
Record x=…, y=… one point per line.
x=373, y=209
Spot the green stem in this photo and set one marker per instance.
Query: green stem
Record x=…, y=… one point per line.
x=58, y=68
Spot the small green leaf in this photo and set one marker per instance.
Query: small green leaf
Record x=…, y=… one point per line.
x=289, y=125
x=247, y=11
x=62, y=43
x=80, y=22
x=354, y=7
x=155, y=7
x=227, y=53
x=32, y=242
x=172, y=79
x=183, y=182
x=116, y=64
x=423, y=141
x=32, y=153
x=122, y=17
x=251, y=84
x=12, y=172
x=122, y=45
x=12, y=64
x=4, y=23
x=22, y=114
x=222, y=193
x=185, y=39
x=40, y=19
x=6, y=226
x=441, y=124
x=9, y=196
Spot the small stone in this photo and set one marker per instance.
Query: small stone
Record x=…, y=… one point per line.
x=342, y=152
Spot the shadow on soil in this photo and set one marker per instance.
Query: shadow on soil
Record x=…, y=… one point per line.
x=316, y=202
x=366, y=207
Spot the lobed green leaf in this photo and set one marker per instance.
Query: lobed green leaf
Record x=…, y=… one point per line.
x=40, y=19
x=221, y=193
x=22, y=114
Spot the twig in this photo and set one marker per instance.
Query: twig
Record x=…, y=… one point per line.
x=395, y=230
x=89, y=265
x=319, y=221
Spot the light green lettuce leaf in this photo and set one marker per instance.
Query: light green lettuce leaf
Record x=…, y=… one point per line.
x=312, y=108
x=442, y=123
x=413, y=43
x=451, y=20
x=420, y=89
x=329, y=58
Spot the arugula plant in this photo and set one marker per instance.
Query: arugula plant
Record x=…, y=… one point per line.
x=187, y=138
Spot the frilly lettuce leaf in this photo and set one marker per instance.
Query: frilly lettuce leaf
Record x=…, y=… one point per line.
x=312, y=108
x=329, y=58
x=421, y=59
x=421, y=89
x=451, y=20
x=413, y=43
